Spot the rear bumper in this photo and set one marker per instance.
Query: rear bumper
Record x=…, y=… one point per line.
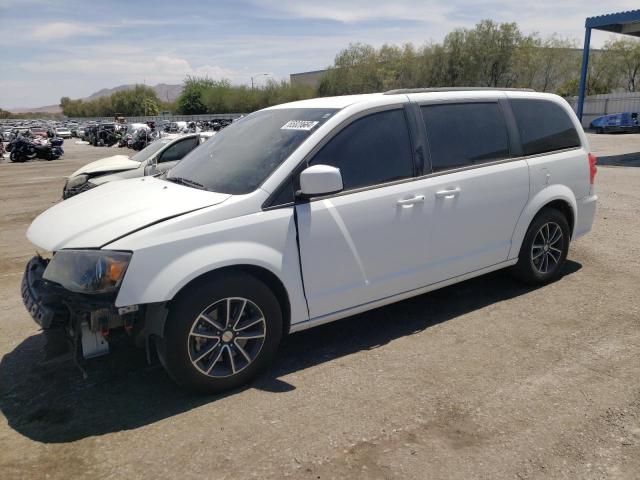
x=585, y=215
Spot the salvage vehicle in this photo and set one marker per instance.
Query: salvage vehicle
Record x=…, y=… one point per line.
x=309, y=212
x=157, y=157
x=107, y=135
x=627, y=122
x=63, y=132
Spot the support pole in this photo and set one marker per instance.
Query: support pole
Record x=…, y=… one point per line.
x=583, y=72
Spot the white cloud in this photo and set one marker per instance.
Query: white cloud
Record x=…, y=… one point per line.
x=361, y=10
x=57, y=30
x=161, y=68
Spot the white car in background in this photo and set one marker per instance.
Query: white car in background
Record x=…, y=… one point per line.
x=309, y=212
x=63, y=132
x=159, y=156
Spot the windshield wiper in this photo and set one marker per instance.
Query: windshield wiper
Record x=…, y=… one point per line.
x=186, y=182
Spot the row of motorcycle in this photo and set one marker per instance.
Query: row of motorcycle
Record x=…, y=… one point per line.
x=23, y=147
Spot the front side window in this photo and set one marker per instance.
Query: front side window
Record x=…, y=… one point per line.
x=178, y=150
x=149, y=150
x=372, y=150
x=544, y=126
x=465, y=134
x=240, y=157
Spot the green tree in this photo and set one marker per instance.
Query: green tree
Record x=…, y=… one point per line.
x=625, y=57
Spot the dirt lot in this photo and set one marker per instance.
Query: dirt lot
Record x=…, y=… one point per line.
x=486, y=379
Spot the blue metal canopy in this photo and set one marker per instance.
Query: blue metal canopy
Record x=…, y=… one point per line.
x=626, y=23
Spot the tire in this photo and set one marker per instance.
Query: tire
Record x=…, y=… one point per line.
x=17, y=157
x=543, y=253
x=599, y=130
x=222, y=357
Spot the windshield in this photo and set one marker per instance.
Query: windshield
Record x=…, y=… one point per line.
x=240, y=157
x=150, y=149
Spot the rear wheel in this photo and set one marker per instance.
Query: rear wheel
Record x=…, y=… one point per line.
x=222, y=333
x=544, y=249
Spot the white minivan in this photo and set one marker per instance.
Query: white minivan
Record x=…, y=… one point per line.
x=308, y=212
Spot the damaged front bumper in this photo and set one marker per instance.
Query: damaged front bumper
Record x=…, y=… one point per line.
x=83, y=321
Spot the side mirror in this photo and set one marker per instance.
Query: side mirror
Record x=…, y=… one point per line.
x=150, y=170
x=320, y=180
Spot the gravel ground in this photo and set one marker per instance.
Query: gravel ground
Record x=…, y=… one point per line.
x=486, y=379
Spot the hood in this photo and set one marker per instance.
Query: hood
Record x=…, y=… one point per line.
x=113, y=210
x=109, y=164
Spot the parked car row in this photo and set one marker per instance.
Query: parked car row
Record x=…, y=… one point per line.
x=157, y=157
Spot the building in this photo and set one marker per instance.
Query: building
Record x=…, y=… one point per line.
x=309, y=79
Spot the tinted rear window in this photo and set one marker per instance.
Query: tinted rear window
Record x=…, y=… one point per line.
x=463, y=134
x=544, y=126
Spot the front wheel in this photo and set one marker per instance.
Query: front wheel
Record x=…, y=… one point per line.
x=544, y=249
x=220, y=334
x=17, y=157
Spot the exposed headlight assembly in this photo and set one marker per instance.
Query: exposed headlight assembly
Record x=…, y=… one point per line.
x=88, y=271
x=76, y=181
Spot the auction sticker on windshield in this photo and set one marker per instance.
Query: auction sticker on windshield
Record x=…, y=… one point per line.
x=299, y=125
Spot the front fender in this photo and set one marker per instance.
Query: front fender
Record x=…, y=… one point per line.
x=535, y=204
x=143, y=286
x=159, y=270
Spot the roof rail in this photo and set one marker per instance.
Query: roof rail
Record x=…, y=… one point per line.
x=454, y=89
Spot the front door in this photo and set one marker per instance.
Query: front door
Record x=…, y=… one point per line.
x=360, y=245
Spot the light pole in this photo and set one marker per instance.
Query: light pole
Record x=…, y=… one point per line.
x=256, y=75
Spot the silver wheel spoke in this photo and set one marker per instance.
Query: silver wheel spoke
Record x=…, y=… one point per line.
x=215, y=360
x=557, y=235
x=235, y=323
x=226, y=323
x=555, y=249
x=232, y=363
x=242, y=351
x=250, y=337
x=211, y=321
x=205, y=335
x=250, y=325
x=555, y=260
x=206, y=352
x=537, y=255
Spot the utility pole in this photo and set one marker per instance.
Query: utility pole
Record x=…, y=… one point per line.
x=256, y=75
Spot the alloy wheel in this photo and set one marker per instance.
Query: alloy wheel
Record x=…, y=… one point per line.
x=226, y=337
x=547, y=247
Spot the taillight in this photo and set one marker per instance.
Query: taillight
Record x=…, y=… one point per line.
x=592, y=168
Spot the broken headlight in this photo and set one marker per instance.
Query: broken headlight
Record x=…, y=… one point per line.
x=88, y=271
x=76, y=181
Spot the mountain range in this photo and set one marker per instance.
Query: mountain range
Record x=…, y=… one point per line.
x=165, y=92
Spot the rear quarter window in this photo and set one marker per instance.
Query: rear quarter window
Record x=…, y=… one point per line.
x=465, y=134
x=544, y=126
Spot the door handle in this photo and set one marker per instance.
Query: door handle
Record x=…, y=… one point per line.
x=451, y=193
x=407, y=202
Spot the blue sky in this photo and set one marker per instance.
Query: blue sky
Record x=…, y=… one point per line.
x=50, y=49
